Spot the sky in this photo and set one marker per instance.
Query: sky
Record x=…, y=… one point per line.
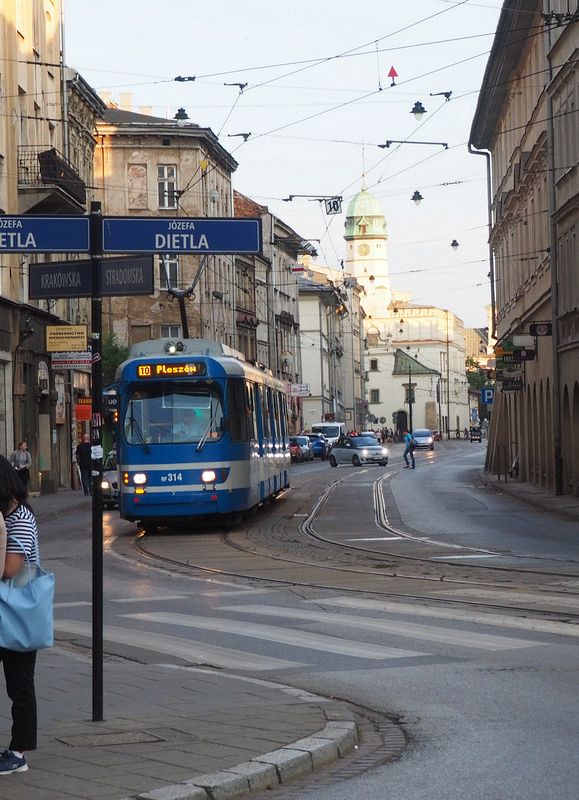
x=318, y=102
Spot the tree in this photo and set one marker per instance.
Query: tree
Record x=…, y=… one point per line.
x=476, y=376
x=113, y=354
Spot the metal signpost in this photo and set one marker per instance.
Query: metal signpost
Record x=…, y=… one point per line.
x=95, y=235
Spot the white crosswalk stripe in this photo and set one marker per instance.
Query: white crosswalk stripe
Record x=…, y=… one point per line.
x=448, y=636
x=464, y=615
x=195, y=652
x=271, y=633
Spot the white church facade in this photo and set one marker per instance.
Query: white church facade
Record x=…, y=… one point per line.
x=415, y=354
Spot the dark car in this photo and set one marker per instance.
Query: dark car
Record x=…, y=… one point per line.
x=475, y=435
x=424, y=439
x=358, y=450
x=320, y=445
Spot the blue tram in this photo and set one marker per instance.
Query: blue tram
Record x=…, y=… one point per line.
x=201, y=432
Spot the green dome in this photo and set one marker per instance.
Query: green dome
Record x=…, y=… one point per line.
x=364, y=217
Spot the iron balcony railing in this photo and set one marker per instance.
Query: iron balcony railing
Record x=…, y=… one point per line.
x=45, y=166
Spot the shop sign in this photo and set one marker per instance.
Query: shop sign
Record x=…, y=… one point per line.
x=66, y=338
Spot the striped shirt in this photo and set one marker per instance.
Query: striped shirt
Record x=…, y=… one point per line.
x=21, y=524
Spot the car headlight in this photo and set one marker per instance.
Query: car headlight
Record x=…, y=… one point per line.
x=208, y=476
x=430, y=440
x=364, y=453
x=105, y=484
x=384, y=451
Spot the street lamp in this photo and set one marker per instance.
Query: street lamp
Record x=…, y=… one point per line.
x=181, y=116
x=417, y=198
x=418, y=110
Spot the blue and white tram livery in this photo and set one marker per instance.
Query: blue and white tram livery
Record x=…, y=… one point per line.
x=202, y=432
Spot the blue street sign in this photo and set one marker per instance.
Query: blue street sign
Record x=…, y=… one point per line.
x=488, y=395
x=201, y=236
x=28, y=234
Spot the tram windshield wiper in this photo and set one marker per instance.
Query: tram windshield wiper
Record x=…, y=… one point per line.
x=205, y=436
x=136, y=428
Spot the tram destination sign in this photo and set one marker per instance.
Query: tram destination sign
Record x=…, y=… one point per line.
x=29, y=234
x=119, y=277
x=200, y=236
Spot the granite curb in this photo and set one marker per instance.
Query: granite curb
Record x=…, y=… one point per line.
x=267, y=771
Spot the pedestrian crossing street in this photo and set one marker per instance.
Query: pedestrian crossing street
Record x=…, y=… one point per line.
x=257, y=636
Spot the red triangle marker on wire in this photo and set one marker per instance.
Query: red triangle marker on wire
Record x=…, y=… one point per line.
x=392, y=74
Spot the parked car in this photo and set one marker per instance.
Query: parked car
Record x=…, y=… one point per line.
x=320, y=445
x=424, y=439
x=295, y=450
x=304, y=451
x=110, y=481
x=358, y=450
x=475, y=435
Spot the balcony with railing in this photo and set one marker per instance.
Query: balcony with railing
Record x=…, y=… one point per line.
x=48, y=182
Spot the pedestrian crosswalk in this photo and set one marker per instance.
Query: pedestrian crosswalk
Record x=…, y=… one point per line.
x=247, y=633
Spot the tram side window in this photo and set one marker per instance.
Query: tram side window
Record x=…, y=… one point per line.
x=251, y=420
x=238, y=412
x=283, y=415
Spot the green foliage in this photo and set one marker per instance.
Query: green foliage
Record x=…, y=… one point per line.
x=113, y=354
x=476, y=376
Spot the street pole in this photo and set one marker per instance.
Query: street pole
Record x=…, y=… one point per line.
x=410, y=426
x=447, y=381
x=97, y=463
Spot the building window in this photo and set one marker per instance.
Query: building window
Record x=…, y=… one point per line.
x=374, y=395
x=167, y=185
x=170, y=331
x=374, y=364
x=168, y=265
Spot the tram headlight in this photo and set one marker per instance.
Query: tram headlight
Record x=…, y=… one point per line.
x=139, y=479
x=208, y=476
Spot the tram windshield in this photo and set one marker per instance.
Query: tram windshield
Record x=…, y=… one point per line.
x=173, y=415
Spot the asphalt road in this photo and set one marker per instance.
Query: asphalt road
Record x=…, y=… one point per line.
x=487, y=696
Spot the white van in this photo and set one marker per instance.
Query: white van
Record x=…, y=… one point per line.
x=331, y=430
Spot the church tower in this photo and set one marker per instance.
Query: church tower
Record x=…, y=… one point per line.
x=366, y=259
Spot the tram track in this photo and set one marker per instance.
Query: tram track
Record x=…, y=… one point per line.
x=319, y=563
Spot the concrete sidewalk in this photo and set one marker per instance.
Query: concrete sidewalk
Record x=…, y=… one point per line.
x=169, y=732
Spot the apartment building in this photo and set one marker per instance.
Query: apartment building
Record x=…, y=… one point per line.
x=47, y=117
x=527, y=120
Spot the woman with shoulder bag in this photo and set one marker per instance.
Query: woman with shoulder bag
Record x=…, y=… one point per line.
x=21, y=546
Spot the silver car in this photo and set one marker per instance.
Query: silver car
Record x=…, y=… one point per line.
x=110, y=481
x=424, y=439
x=358, y=450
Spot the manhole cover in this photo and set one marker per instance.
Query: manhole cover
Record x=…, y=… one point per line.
x=109, y=738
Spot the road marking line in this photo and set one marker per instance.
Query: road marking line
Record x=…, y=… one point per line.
x=194, y=652
x=271, y=633
x=375, y=539
x=498, y=620
x=450, y=636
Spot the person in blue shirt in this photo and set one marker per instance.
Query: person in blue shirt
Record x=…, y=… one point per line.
x=408, y=449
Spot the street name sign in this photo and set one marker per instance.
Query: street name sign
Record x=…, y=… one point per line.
x=128, y=275
x=29, y=234
x=201, y=236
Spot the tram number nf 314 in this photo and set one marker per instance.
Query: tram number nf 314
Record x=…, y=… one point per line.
x=172, y=477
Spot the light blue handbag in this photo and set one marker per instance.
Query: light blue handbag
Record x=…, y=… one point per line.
x=26, y=608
